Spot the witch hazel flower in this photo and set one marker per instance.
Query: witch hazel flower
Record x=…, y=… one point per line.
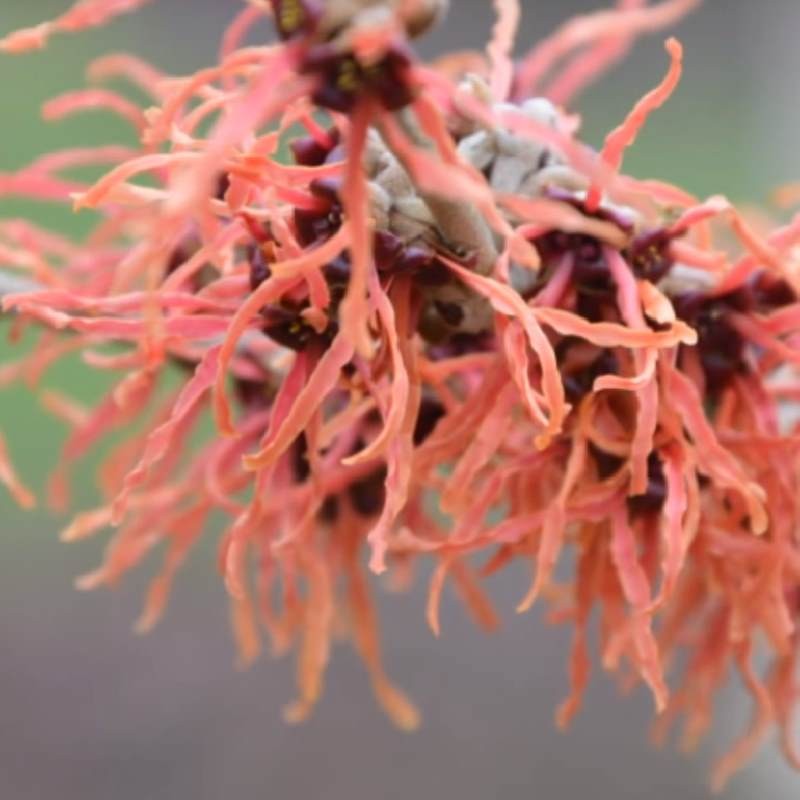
x=430, y=325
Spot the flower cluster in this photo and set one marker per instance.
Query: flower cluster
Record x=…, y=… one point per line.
x=429, y=324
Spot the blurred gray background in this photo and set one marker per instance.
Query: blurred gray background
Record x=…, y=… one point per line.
x=89, y=711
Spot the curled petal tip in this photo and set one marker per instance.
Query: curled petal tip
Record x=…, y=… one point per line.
x=90, y=581
x=145, y=625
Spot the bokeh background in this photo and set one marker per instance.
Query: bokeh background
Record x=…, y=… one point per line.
x=90, y=711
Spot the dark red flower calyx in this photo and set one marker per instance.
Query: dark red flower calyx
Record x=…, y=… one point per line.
x=295, y=18
x=395, y=257
x=285, y=325
x=607, y=464
x=429, y=414
x=580, y=364
x=720, y=346
x=309, y=151
x=313, y=226
x=252, y=394
x=284, y=322
x=344, y=80
x=180, y=255
x=649, y=254
x=259, y=257
x=301, y=471
x=652, y=500
x=367, y=495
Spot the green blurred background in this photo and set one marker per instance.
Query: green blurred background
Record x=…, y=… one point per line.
x=91, y=711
